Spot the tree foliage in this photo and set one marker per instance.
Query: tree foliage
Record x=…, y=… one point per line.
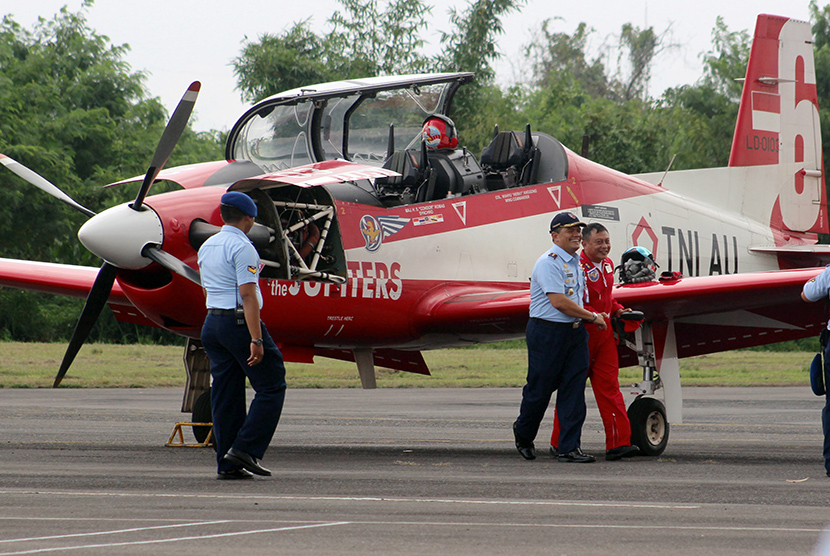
x=72, y=110
x=364, y=41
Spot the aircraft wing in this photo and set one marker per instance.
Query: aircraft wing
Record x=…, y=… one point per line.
x=711, y=314
x=66, y=280
x=468, y=310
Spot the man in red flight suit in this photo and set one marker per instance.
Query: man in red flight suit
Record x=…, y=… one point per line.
x=604, y=369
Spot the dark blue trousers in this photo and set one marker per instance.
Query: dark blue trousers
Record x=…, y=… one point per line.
x=825, y=412
x=557, y=360
x=228, y=346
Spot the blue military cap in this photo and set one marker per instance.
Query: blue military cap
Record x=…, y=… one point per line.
x=564, y=220
x=817, y=376
x=240, y=201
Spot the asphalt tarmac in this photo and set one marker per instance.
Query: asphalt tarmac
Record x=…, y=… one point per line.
x=408, y=471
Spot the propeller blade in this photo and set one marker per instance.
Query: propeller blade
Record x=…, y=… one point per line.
x=171, y=263
x=95, y=301
x=172, y=133
x=40, y=182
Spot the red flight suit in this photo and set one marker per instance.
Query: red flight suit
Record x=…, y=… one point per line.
x=604, y=366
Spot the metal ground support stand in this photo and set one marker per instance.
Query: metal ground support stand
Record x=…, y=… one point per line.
x=177, y=430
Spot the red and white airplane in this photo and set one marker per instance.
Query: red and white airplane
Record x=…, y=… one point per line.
x=376, y=248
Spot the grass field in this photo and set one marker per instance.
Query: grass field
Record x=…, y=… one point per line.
x=33, y=365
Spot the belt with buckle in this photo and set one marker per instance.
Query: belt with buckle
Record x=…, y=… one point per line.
x=543, y=322
x=222, y=312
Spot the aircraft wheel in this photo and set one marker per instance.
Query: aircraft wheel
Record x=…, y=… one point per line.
x=202, y=414
x=649, y=427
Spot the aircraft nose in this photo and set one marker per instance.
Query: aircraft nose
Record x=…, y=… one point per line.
x=119, y=234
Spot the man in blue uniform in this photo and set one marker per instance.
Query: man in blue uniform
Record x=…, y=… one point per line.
x=557, y=344
x=817, y=289
x=239, y=345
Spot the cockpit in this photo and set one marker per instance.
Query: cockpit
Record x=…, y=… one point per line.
x=378, y=122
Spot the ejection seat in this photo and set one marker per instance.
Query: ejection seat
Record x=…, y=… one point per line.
x=510, y=160
x=403, y=189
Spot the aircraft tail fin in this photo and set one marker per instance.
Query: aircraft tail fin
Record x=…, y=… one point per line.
x=778, y=124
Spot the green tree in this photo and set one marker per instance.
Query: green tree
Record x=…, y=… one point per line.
x=705, y=112
x=279, y=63
x=641, y=48
x=557, y=57
x=364, y=41
x=72, y=110
x=367, y=41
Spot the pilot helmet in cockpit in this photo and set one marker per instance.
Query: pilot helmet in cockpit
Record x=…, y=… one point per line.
x=439, y=132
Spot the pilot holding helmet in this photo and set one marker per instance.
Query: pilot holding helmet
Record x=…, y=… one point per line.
x=557, y=344
x=239, y=345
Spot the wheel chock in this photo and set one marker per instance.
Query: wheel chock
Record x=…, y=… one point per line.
x=177, y=431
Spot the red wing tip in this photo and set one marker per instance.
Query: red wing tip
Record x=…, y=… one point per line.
x=195, y=86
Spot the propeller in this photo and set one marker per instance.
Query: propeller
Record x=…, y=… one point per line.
x=95, y=302
x=169, y=138
x=171, y=263
x=39, y=181
x=124, y=236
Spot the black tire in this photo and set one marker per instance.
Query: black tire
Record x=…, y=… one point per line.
x=202, y=414
x=649, y=426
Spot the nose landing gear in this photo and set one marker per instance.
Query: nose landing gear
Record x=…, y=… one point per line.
x=647, y=415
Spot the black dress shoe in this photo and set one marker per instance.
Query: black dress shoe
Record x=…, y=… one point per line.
x=621, y=452
x=577, y=456
x=234, y=475
x=554, y=452
x=247, y=461
x=524, y=447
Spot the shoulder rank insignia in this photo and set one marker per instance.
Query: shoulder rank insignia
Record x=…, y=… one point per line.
x=552, y=255
x=252, y=269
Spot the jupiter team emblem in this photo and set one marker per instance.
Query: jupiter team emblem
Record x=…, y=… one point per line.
x=375, y=230
x=372, y=233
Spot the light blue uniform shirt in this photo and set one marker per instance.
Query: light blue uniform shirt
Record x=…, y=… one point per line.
x=226, y=261
x=818, y=287
x=556, y=271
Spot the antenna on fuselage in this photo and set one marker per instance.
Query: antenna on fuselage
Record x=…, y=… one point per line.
x=667, y=170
